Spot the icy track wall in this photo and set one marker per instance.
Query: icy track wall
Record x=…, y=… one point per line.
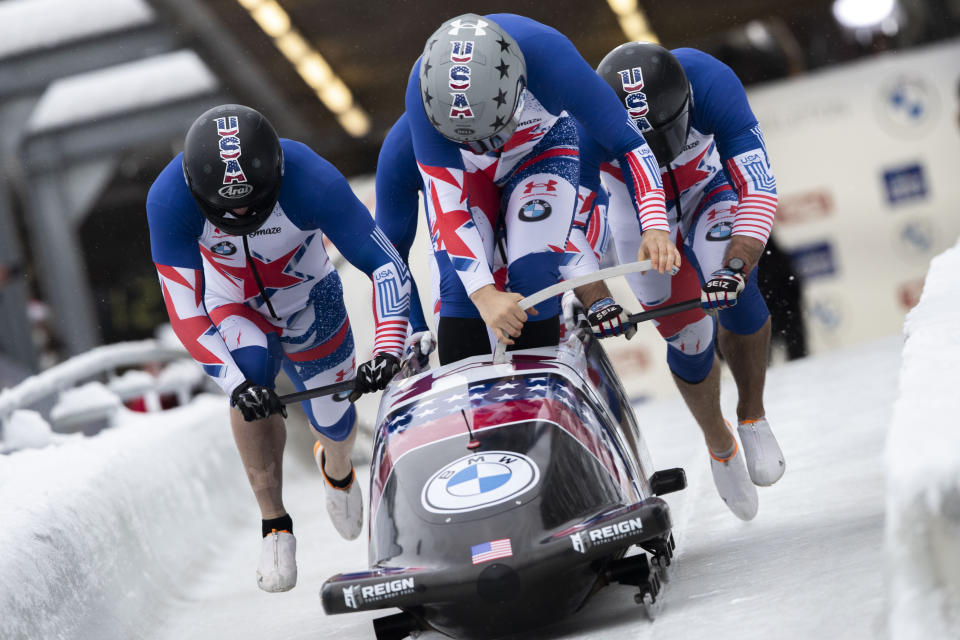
x=923, y=465
x=97, y=532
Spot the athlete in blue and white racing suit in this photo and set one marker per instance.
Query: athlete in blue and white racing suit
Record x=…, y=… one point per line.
x=237, y=230
x=398, y=185
x=694, y=113
x=502, y=95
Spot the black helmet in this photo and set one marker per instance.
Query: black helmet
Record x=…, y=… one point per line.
x=232, y=159
x=653, y=86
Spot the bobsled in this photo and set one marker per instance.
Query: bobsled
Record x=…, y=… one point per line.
x=504, y=492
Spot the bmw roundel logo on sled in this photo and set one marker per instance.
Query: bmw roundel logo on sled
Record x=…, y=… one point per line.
x=479, y=480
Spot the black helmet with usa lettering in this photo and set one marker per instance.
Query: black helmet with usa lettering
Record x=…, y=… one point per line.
x=233, y=165
x=653, y=86
x=472, y=81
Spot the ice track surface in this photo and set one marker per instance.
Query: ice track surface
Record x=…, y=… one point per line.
x=808, y=566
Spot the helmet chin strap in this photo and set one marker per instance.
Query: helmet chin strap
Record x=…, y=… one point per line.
x=497, y=141
x=236, y=225
x=483, y=146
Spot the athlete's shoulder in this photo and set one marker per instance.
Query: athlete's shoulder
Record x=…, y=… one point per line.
x=398, y=141
x=709, y=78
x=397, y=159
x=169, y=200
x=170, y=186
x=697, y=62
x=720, y=103
x=535, y=39
x=174, y=219
x=550, y=57
x=313, y=191
x=521, y=26
x=302, y=162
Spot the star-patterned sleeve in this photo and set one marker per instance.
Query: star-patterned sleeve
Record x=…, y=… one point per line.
x=445, y=194
x=322, y=199
x=398, y=187
x=176, y=254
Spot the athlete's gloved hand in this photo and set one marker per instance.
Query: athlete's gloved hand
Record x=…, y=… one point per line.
x=722, y=290
x=420, y=345
x=256, y=402
x=374, y=375
x=607, y=318
x=572, y=310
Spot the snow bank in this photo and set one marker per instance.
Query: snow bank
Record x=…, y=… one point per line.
x=923, y=465
x=96, y=533
x=26, y=430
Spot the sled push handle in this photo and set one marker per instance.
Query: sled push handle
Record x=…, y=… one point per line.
x=499, y=354
x=677, y=307
x=342, y=390
x=338, y=388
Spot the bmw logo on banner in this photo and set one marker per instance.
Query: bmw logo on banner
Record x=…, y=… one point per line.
x=479, y=480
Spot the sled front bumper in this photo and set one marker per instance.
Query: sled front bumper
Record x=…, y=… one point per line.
x=594, y=539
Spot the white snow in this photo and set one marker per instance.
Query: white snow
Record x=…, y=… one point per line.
x=180, y=375
x=133, y=383
x=122, y=88
x=26, y=25
x=92, y=400
x=923, y=465
x=149, y=530
x=27, y=430
x=96, y=532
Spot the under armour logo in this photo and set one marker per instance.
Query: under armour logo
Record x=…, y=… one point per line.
x=549, y=185
x=478, y=27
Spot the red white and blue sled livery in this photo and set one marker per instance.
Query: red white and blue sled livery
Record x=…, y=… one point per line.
x=504, y=495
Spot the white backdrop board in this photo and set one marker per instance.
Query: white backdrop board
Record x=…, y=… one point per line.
x=866, y=159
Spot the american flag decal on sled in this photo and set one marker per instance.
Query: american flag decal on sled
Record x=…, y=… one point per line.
x=491, y=550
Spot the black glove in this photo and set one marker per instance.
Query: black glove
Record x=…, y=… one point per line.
x=607, y=318
x=723, y=289
x=374, y=375
x=256, y=402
